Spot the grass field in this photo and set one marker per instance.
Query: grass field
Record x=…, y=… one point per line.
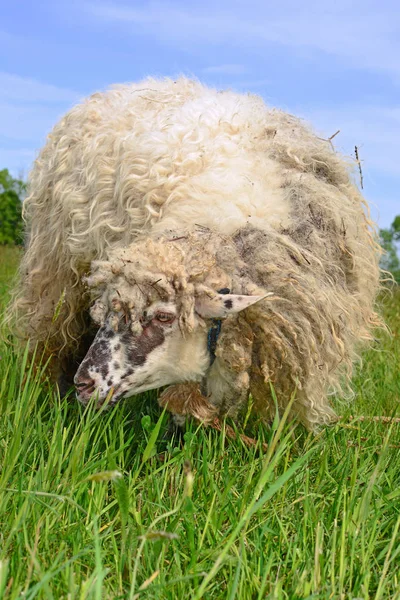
x=99, y=505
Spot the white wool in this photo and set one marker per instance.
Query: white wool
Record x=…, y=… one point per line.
x=131, y=164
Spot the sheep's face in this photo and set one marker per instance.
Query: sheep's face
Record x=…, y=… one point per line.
x=125, y=360
x=128, y=357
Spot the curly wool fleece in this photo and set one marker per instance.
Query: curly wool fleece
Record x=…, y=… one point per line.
x=128, y=165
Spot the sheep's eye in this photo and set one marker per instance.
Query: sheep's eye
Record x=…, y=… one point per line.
x=165, y=317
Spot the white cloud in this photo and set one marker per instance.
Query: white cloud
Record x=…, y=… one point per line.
x=25, y=89
x=28, y=111
x=29, y=108
x=363, y=34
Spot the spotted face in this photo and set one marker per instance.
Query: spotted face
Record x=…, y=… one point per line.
x=124, y=361
x=128, y=357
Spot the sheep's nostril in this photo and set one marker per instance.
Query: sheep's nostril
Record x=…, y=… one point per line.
x=86, y=385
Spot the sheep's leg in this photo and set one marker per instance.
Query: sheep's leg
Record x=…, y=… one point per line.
x=176, y=428
x=186, y=400
x=179, y=400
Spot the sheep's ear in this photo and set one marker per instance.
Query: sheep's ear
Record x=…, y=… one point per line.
x=222, y=305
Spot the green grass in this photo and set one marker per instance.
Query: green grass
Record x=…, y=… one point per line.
x=314, y=517
x=9, y=258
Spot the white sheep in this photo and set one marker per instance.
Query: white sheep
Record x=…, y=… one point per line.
x=220, y=243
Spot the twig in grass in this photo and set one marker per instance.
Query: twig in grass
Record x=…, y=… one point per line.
x=33, y=553
x=9, y=586
x=155, y=536
x=353, y=444
x=47, y=495
x=148, y=581
x=230, y=432
x=377, y=419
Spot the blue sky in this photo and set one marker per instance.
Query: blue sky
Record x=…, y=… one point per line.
x=335, y=63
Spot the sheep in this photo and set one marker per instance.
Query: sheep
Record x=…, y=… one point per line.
x=182, y=236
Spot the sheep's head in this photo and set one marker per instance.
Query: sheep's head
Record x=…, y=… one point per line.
x=153, y=318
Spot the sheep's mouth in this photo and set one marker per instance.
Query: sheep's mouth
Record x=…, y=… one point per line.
x=106, y=400
x=147, y=384
x=116, y=393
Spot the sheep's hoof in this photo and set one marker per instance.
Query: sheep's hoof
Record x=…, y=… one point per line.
x=186, y=400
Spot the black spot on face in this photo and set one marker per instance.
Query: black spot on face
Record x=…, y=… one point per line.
x=83, y=370
x=127, y=374
x=228, y=303
x=117, y=347
x=109, y=382
x=109, y=333
x=116, y=365
x=98, y=357
x=150, y=338
x=104, y=370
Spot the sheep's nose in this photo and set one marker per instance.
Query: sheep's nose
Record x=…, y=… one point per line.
x=85, y=387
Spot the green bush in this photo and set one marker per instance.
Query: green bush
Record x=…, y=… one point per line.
x=388, y=239
x=11, y=196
